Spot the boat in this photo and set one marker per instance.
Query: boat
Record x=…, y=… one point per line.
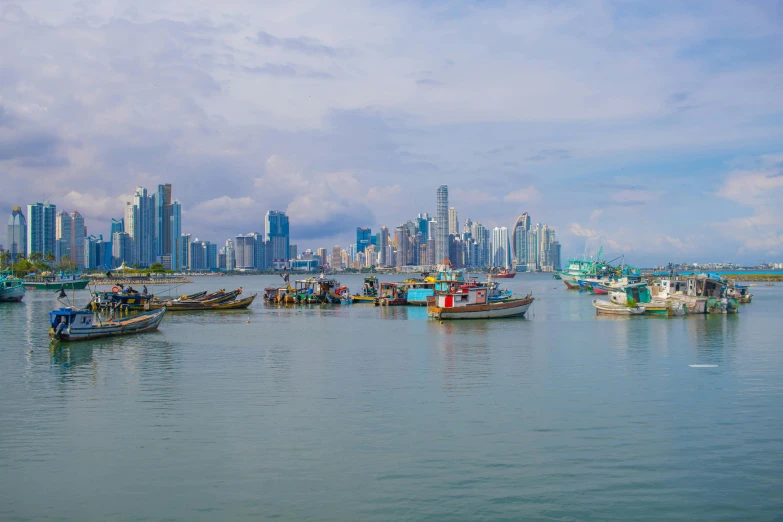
x=11, y=290
x=225, y=304
x=178, y=305
x=390, y=294
x=604, y=307
x=418, y=290
x=741, y=292
x=278, y=295
x=501, y=274
x=472, y=303
x=55, y=282
x=596, y=270
x=369, y=291
x=681, y=290
x=321, y=290
x=69, y=324
x=125, y=300
x=770, y=284
x=639, y=295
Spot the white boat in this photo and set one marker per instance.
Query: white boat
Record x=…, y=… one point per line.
x=472, y=302
x=69, y=324
x=604, y=307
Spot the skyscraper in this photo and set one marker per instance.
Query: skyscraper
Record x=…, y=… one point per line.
x=519, y=239
x=337, y=258
x=143, y=230
x=175, y=231
x=432, y=239
x=322, y=256
x=401, y=235
x=78, y=232
x=363, y=238
x=442, y=214
x=453, y=222
x=383, y=246
x=276, y=232
x=245, y=247
x=230, y=255
x=163, y=242
x=17, y=235
x=500, y=253
x=64, y=242
x=532, y=248
x=121, y=249
x=93, y=252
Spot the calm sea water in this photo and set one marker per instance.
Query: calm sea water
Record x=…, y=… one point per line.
x=361, y=413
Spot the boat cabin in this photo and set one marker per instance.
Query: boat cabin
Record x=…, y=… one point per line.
x=370, y=286
x=68, y=317
x=462, y=296
x=639, y=292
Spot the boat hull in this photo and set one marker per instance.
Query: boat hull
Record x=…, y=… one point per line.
x=13, y=294
x=363, y=299
x=141, y=323
x=493, y=310
x=56, y=285
x=604, y=307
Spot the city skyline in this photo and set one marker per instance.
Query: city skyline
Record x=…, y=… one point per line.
x=669, y=146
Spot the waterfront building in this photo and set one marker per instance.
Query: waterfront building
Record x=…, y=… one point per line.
x=532, y=248
x=41, y=228
x=363, y=238
x=345, y=259
x=369, y=256
x=277, y=233
x=442, y=215
x=63, y=230
x=432, y=242
x=198, y=255
x=212, y=254
x=337, y=258
x=383, y=246
x=122, y=249
x=184, y=248
x=500, y=250
x=422, y=223
x=140, y=225
x=292, y=252
x=230, y=255
x=93, y=252
x=78, y=233
x=17, y=235
x=245, y=245
x=453, y=223
x=401, y=242
x=519, y=240
x=163, y=243
x=322, y=256
x=175, y=232
x=467, y=230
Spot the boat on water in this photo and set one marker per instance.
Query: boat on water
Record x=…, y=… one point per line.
x=594, y=271
x=418, y=290
x=741, y=292
x=604, y=307
x=473, y=303
x=56, y=281
x=125, y=300
x=223, y=301
x=391, y=294
x=11, y=289
x=69, y=324
x=503, y=273
x=369, y=291
x=639, y=295
x=278, y=295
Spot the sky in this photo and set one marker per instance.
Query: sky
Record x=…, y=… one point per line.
x=653, y=129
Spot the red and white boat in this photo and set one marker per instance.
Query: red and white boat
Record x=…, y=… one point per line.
x=472, y=302
x=502, y=274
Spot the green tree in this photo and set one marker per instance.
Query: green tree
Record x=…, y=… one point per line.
x=65, y=264
x=49, y=259
x=157, y=268
x=5, y=257
x=35, y=257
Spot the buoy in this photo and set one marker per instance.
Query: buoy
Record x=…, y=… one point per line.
x=115, y=290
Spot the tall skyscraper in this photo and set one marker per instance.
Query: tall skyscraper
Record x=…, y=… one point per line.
x=532, y=248
x=143, y=228
x=432, y=239
x=17, y=235
x=78, y=232
x=93, y=252
x=183, y=251
x=276, y=232
x=64, y=229
x=41, y=229
x=175, y=232
x=383, y=246
x=363, y=238
x=245, y=246
x=500, y=253
x=453, y=222
x=292, y=252
x=121, y=249
x=322, y=256
x=163, y=242
x=442, y=214
x=337, y=258
x=519, y=239
x=401, y=235
x=230, y=255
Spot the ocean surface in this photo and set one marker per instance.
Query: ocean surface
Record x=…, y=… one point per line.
x=364, y=413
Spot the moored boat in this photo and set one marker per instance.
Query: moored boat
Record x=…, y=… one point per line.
x=55, y=282
x=604, y=307
x=369, y=291
x=390, y=294
x=501, y=274
x=11, y=290
x=473, y=303
x=69, y=324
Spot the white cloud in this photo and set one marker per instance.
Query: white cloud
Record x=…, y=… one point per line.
x=523, y=195
x=578, y=230
x=636, y=196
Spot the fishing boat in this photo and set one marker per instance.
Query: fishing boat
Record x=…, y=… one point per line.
x=55, y=282
x=770, y=284
x=125, y=300
x=639, y=295
x=418, y=290
x=741, y=292
x=604, y=307
x=278, y=295
x=179, y=305
x=369, y=291
x=11, y=290
x=681, y=290
x=223, y=304
x=501, y=274
x=321, y=290
x=390, y=294
x=473, y=303
x=69, y=324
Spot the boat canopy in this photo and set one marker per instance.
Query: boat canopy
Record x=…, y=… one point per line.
x=69, y=315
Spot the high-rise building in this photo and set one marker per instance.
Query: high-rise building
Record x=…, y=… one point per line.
x=183, y=250
x=276, y=232
x=175, y=232
x=93, y=252
x=532, y=248
x=453, y=222
x=64, y=229
x=363, y=238
x=370, y=257
x=519, y=240
x=337, y=258
x=41, y=229
x=442, y=217
x=262, y=253
x=230, y=255
x=245, y=246
x=78, y=232
x=163, y=243
x=17, y=235
x=140, y=225
x=432, y=239
x=401, y=240
x=122, y=249
x=212, y=251
x=322, y=256
x=198, y=254
x=383, y=246
x=292, y=252
x=422, y=222
x=500, y=253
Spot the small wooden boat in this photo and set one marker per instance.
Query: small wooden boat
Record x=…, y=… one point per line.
x=11, y=290
x=472, y=303
x=237, y=304
x=390, y=294
x=605, y=307
x=770, y=284
x=369, y=291
x=68, y=324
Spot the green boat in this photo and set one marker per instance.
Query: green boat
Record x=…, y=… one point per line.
x=55, y=282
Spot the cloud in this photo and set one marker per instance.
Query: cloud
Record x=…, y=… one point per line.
x=287, y=70
x=298, y=44
x=578, y=230
x=523, y=195
x=636, y=196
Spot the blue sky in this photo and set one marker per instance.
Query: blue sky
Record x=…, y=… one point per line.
x=653, y=129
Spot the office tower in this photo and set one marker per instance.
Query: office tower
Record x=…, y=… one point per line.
x=432, y=239
x=163, y=242
x=35, y=228
x=422, y=222
x=184, y=248
x=212, y=252
x=467, y=230
x=532, y=248
x=383, y=246
x=77, y=238
x=245, y=247
x=500, y=253
x=63, y=230
x=140, y=225
x=322, y=256
x=276, y=232
x=519, y=239
x=370, y=256
x=93, y=252
x=198, y=255
x=401, y=235
x=17, y=235
x=337, y=259
x=442, y=215
x=262, y=252
x=363, y=238
x=453, y=223
x=555, y=247
x=175, y=232
x=230, y=255
x=292, y=252
x=121, y=249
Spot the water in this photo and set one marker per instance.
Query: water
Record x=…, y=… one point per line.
x=361, y=413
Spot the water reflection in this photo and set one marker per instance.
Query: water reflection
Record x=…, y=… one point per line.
x=465, y=354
